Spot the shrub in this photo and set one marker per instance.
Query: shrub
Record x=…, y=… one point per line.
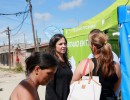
x=19, y=67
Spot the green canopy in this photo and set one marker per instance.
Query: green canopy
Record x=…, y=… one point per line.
x=78, y=37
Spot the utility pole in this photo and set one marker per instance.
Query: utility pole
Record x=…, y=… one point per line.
x=24, y=41
x=30, y=9
x=37, y=42
x=25, y=45
x=9, y=57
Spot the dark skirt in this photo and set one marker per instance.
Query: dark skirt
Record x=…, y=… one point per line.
x=107, y=94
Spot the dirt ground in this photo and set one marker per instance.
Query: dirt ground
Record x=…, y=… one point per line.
x=9, y=80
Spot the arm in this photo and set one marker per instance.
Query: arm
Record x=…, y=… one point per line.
x=77, y=73
x=79, y=70
x=118, y=72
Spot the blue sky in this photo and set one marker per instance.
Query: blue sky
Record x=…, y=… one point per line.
x=50, y=17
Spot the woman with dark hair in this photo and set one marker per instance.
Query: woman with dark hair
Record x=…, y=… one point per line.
x=101, y=65
x=40, y=69
x=58, y=88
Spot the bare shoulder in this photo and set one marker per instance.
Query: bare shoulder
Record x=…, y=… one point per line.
x=14, y=93
x=83, y=61
x=21, y=92
x=82, y=64
x=26, y=93
x=17, y=94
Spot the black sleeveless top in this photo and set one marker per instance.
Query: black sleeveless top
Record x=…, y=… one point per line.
x=107, y=92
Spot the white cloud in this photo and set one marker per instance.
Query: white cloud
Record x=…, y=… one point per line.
x=43, y=16
x=70, y=5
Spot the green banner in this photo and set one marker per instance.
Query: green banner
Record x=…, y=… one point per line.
x=78, y=37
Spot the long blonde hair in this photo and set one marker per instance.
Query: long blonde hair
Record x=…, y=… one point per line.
x=99, y=44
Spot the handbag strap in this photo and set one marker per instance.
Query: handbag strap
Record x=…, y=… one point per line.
x=84, y=70
x=85, y=67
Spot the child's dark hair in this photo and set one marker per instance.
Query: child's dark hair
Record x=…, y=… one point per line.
x=41, y=59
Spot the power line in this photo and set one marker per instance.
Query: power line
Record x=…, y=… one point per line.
x=18, y=13
x=15, y=20
x=24, y=17
x=20, y=25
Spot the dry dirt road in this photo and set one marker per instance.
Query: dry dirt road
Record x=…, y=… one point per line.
x=9, y=80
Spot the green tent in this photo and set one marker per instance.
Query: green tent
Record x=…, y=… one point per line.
x=78, y=37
